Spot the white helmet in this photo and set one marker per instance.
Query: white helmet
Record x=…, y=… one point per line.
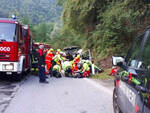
x=41, y=46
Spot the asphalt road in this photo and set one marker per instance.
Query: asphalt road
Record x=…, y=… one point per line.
x=8, y=89
x=64, y=95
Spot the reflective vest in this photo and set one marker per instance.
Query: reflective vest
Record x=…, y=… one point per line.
x=58, y=58
x=85, y=67
x=76, y=60
x=57, y=68
x=66, y=65
x=48, y=57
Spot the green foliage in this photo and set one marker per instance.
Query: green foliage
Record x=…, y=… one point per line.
x=37, y=10
x=77, y=15
x=103, y=76
x=114, y=33
x=108, y=26
x=41, y=32
x=64, y=40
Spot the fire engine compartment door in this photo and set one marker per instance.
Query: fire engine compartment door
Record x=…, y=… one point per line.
x=128, y=98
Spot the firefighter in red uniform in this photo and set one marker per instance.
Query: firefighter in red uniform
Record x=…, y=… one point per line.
x=48, y=60
x=41, y=65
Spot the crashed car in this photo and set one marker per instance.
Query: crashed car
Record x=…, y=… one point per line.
x=132, y=82
x=71, y=53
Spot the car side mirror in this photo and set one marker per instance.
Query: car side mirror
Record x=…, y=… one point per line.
x=117, y=61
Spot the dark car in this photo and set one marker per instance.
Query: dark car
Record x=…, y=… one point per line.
x=71, y=52
x=132, y=82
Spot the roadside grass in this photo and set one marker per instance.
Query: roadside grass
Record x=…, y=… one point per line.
x=103, y=76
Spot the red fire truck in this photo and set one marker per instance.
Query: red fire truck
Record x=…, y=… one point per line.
x=15, y=47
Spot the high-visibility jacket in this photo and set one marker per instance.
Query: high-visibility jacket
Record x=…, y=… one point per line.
x=58, y=58
x=86, y=67
x=86, y=70
x=76, y=60
x=74, y=65
x=49, y=57
x=57, y=68
x=48, y=61
x=87, y=61
x=66, y=65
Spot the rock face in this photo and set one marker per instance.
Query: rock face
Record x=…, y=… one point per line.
x=106, y=62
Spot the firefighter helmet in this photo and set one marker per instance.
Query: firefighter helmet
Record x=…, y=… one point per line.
x=58, y=50
x=51, y=50
x=78, y=56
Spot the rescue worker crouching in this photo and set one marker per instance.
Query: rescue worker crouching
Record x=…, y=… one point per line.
x=86, y=69
x=56, y=71
x=57, y=63
x=67, y=68
x=79, y=73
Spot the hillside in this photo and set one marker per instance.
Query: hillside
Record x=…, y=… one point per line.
x=107, y=27
x=37, y=10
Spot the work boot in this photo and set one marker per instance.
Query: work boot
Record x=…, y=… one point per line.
x=46, y=76
x=46, y=82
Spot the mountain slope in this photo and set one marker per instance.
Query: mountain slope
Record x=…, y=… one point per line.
x=37, y=10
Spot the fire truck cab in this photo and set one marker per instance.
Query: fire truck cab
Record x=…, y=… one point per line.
x=15, y=47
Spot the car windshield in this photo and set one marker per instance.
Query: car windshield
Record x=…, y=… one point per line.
x=8, y=32
x=139, y=54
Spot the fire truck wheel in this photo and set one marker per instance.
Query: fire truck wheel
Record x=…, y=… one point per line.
x=19, y=77
x=115, y=104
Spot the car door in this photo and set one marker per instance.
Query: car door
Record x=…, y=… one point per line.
x=128, y=99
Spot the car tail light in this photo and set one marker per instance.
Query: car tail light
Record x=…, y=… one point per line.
x=117, y=83
x=130, y=77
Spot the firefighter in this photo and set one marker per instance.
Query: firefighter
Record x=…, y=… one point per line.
x=48, y=60
x=41, y=65
x=86, y=69
x=34, y=57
